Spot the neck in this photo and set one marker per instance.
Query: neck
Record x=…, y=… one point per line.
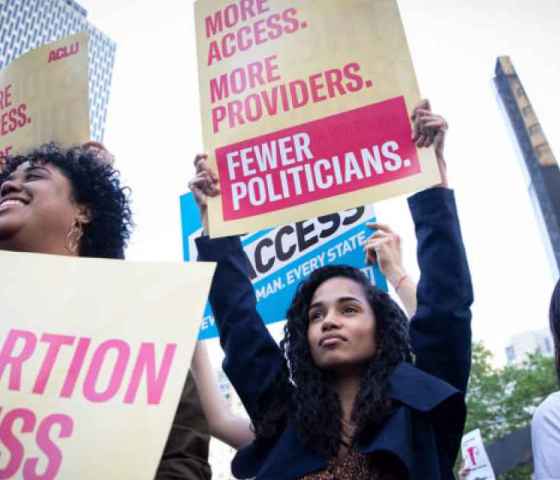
x=35, y=247
x=347, y=387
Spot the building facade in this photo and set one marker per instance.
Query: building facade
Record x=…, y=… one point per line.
x=28, y=24
x=538, y=159
x=520, y=346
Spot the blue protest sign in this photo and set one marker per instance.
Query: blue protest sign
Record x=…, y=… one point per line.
x=281, y=257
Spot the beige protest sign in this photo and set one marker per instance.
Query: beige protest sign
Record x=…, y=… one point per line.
x=305, y=108
x=44, y=97
x=93, y=358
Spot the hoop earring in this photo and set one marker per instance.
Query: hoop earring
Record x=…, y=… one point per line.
x=73, y=238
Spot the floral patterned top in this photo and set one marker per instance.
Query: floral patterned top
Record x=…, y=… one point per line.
x=353, y=466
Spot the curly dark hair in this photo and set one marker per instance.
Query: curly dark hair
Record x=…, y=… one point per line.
x=554, y=317
x=313, y=404
x=95, y=185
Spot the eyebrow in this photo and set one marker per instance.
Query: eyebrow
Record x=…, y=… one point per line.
x=37, y=167
x=338, y=300
x=12, y=175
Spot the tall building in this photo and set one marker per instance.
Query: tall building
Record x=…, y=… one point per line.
x=539, y=160
x=524, y=344
x=28, y=24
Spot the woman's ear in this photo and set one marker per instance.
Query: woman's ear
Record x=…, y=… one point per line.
x=84, y=215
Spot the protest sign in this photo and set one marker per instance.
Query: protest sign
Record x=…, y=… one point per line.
x=475, y=458
x=305, y=109
x=44, y=97
x=93, y=358
x=282, y=257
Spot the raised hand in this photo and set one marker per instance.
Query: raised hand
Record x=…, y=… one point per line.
x=100, y=151
x=204, y=184
x=430, y=129
x=384, y=248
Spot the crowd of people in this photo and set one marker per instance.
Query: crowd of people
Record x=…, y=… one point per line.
x=357, y=388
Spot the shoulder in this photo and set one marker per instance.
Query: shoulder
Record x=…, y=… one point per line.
x=548, y=410
x=547, y=415
x=421, y=391
x=545, y=436
x=427, y=394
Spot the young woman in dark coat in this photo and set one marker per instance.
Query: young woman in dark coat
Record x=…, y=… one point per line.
x=354, y=390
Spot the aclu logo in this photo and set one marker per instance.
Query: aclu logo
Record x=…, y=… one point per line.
x=63, y=52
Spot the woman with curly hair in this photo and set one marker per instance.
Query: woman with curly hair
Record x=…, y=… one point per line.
x=354, y=391
x=71, y=202
x=237, y=431
x=64, y=202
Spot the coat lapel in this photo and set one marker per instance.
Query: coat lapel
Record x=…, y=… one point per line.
x=286, y=458
x=417, y=389
x=436, y=403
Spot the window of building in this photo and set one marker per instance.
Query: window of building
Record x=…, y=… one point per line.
x=510, y=354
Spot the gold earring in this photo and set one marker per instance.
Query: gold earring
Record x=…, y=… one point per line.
x=73, y=238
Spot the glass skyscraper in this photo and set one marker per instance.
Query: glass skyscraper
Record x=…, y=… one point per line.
x=27, y=24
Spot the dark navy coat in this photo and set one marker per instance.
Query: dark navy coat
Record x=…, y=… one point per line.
x=423, y=433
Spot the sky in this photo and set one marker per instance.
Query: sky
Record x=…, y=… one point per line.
x=154, y=131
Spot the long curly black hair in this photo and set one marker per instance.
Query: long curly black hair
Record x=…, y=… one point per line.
x=554, y=317
x=313, y=405
x=95, y=185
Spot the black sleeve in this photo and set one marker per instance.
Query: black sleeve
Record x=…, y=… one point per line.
x=440, y=330
x=253, y=361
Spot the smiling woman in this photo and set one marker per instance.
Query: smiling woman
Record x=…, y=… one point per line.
x=71, y=202
x=65, y=202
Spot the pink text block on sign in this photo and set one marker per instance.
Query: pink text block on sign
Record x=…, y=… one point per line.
x=338, y=154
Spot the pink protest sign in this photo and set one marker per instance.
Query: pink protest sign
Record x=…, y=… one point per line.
x=321, y=159
x=304, y=114
x=93, y=358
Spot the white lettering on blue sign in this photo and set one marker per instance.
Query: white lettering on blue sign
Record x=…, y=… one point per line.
x=282, y=257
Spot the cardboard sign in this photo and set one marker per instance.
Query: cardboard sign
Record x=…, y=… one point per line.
x=93, y=358
x=305, y=109
x=44, y=97
x=475, y=457
x=282, y=257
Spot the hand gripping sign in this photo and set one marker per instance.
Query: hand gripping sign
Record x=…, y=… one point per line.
x=282, y=257
x=305, y=108
x=93, y=358
x=44, y=97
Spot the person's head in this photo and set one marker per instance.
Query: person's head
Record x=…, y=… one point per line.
x=63, y=201
x=340, y=324
x=554, y=316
